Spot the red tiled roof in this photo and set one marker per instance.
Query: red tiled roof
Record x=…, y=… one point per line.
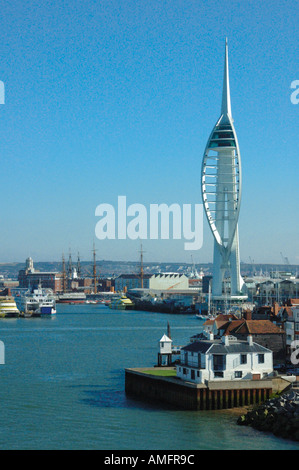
x=251, y=327
x=288, y=310
x=220, y=320
x=225, y=317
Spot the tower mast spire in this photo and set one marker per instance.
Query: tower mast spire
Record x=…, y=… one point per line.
x=226, y=102
x=221, y=192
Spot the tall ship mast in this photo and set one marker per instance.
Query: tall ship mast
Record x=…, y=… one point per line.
x=141, y=267
x=94, y=271
x=64, y=283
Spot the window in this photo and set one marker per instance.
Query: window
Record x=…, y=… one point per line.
x=261, y=358
x=192, y=374
x=223, y=135
x=222, y=143
x=218, y=374
x=184, y=371
x=219, y=362
x=238, y=374
x=243, y=358
x=224, y=126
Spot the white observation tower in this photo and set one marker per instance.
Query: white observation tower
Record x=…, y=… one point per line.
x=221, y=184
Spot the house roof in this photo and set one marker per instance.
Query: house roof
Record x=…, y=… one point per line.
x=220, y=320
x=134, y=276
x=253, y=327
x=225, y=317
x=165, y=339
x=170, y=275
x=286, y=310
x=218, y=347
x=237, y=347
x=198, y=346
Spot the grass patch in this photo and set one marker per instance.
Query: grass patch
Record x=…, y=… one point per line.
x=160, y=372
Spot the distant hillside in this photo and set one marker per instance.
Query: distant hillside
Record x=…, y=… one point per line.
x=115, y=268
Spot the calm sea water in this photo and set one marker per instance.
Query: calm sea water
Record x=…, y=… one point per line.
x=62, y=386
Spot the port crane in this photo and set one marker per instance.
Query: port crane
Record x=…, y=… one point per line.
x=285, y=259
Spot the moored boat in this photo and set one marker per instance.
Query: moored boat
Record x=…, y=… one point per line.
x=71, y=298
x=122, y=303
x=8, y=307
x=36, y=302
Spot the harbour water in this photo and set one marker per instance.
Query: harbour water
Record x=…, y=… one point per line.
x=62, y=386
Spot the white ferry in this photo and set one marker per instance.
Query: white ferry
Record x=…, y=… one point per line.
x=37, y=302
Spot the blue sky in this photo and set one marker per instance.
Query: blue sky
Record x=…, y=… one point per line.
x=106, y=98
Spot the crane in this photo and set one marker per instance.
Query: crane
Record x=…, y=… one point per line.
x=285, y=259
x=252, y=263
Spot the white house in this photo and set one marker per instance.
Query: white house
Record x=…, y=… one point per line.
x=224, y=359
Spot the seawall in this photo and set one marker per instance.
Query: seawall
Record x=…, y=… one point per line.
x=186, y=395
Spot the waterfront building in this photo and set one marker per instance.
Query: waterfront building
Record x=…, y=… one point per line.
x=169, y=281
x=292, y=328
x=206, y=283
x=214, y=325
x=106, y=284
x=156, y=282
x=226, y=359
x=265, y=290
x=30, y=277
x=263, y=332
x=131, y=281
x=7, y=283
x=221, y=184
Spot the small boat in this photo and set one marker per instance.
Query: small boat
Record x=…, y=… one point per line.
x=204, y=317
x=71, y=298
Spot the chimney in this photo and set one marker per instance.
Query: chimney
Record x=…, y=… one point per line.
x=225, y=340
x=250, y=341
x=247, y=315
x=211, y=337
